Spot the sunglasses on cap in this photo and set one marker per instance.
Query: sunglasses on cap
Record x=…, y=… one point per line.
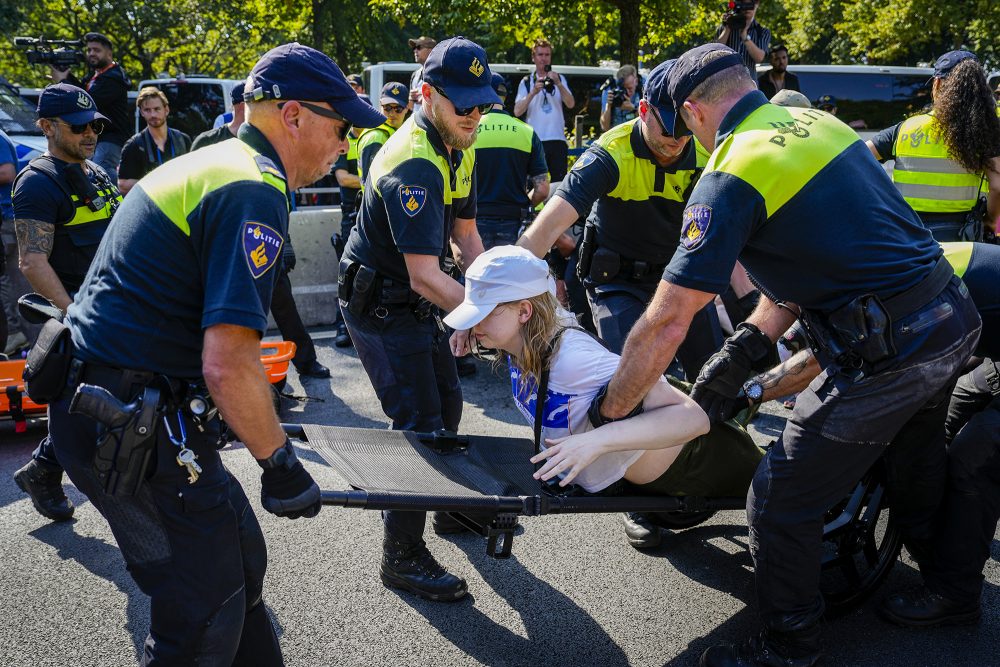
x=326, y=113
x=79, y=128
x=393, y=108
x=465, y=111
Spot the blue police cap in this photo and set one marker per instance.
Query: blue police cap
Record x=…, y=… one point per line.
x=690, y=71
x=71, y=104
x=655, y=92
x=395, y=93
x=824, y=101
x=499, y=85
x=237, y=92
x=947, y=62
x=458, y=66
x=297, y=72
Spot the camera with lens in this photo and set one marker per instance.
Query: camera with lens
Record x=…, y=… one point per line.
x=59, y=53
x=548, y=83
x=616, y=91
x=734, y=17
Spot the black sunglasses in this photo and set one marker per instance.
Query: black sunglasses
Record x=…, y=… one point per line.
x=79, y=128
x=326, y=113
x=483, y=108
x=393, y=108
x=663, y=128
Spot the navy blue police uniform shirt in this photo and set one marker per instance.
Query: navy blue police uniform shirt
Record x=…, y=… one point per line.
x=386, y=228
x=497, y=194
x=596, y=174
x=885, y=141
x=845, y=232
x=37, y=197
x=153, y=289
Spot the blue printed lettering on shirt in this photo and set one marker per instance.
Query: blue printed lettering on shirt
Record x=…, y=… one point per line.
x=556, y=414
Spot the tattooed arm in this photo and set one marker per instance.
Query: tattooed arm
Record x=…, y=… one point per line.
x=789, y=377
x=539, y=189
x=34, y=243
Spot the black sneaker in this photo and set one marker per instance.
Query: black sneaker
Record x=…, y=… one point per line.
x=641, y=532
x=343, y=337
x=412, y=568
x=922, y=608
x=313, y=369
x=43, y=484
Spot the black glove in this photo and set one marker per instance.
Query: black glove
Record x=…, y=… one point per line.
x=286, y=489
x=720, y=382
x=594, y=411
x=986, y=377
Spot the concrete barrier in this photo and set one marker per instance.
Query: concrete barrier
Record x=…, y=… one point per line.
x=314, y=280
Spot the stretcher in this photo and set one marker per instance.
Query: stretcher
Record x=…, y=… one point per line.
x=18, y=406
x=486, y=484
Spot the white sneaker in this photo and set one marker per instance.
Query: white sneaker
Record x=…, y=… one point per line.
x=16, y=342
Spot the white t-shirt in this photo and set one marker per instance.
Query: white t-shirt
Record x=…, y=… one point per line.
x=580, y=368
x=416, y=81
x=545, y=111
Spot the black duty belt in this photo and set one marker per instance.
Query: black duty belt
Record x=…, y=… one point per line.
x=636, y=269
x=908, y=301
x=396, y=293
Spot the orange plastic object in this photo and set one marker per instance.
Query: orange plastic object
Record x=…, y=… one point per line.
x=275, y=356
x=10, y=376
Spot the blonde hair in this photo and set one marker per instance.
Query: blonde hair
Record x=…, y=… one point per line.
x=543, y=43
x=537, y=350
x=149, y=92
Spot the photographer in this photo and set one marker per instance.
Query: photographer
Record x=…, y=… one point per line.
x=741, y=32
x=620, y=98
x=540, y=99
x=108, y=84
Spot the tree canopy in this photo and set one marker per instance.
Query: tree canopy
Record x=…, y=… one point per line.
x=224, y=38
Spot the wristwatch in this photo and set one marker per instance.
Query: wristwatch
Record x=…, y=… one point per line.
x=283, y=457
x=754, y=391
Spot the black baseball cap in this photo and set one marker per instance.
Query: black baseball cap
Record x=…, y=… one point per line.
x=296, y=72
x=655, y=93
x=237, y=92
x=458, y=66
x=947, y=62
x=97, y=37
x=69, y=103
x=689, y=72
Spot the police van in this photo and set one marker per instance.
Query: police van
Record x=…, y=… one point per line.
x=582, y=122
x=195, y=102
x=17, y=120
x=868, y=98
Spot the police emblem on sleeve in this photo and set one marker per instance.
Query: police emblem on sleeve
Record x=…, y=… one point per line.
x=585, y=159
x=413, y=198
x=695, y=225
x=261, y=246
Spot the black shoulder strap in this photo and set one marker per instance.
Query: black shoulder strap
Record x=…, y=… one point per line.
x=44, y=164
x=179, y=141
x=543, y=384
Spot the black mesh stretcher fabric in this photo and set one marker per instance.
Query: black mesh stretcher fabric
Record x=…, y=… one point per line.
x=398, y=462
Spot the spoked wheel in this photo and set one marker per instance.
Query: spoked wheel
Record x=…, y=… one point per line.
x=860, y=544
x=679, y=520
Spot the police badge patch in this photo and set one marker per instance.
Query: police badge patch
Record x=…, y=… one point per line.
x=261, y=246
x=413, y=198
x=585, y=159
x=695, y=225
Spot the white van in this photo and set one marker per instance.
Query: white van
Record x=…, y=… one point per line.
x=585, y=82
x=195, y=102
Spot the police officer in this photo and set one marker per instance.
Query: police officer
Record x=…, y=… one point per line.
x=393, y=100
x=346, y=173
x=633, y=183
x=511, y=177
x=63, y=203
x=944, y=158
x=865, y=276
x=170, y=317
x=226, y=130
x=420, y=195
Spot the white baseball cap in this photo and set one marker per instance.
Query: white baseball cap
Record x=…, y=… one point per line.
x=500, y=275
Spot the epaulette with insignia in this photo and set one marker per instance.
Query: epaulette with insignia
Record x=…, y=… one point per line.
x=267, y=166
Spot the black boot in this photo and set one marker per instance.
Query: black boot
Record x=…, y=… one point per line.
x=797, y=648
x=343, y=338
x=922, y=608
x=412, y=568
x=43, y=483
x=641, y=532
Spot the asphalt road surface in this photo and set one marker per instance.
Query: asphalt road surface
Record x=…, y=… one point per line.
x=574, y=592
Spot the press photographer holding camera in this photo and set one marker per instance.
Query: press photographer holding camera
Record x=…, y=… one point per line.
x=108, y=84
x=620, y=98
x=741, y=32
x=540, y=99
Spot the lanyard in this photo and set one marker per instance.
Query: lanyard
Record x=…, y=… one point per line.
x=98, y=73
